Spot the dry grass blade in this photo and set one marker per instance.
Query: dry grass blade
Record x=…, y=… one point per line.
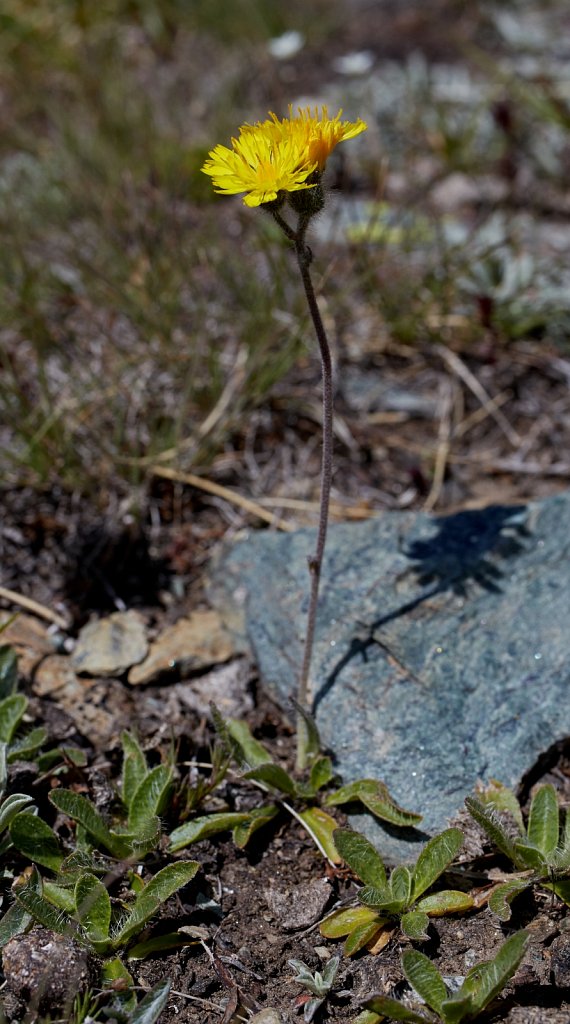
x=458, y=367
x=34, y=606
x=223, y=492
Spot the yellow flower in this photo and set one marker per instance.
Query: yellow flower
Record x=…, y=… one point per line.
x=318, y=135
x=260, y=165
x=276, y=156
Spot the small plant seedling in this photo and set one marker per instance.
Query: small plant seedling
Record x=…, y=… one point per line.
x=88, y=912
x=540, y=852
x=482, y=984
x=144, y=792
x=256, y=764
x=319, y=984
x=399, y=898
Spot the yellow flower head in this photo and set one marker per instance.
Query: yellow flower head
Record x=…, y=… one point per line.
x=276, y=156
x=318, y=135
x=259, y=165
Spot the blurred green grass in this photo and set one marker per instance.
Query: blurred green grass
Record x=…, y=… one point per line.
x=125, y=299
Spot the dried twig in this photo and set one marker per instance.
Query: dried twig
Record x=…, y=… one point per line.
x=457, y=366
x=34, y=606
x=222, y=492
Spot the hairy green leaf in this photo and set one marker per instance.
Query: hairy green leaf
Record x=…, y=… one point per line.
x=159, y=889
x=448, y=901
x=543, y=820
x=393, y=1010
x=11, y=806
x=36, y=840
x=273, y=775
x=150, y=1008
x=134, y=767
x=486, y=980
x=435, y=857
x=401, y=885
x=415, y=924
x=561, y=888
x=343, y=922
x=361, y=936
x=308, y=738
x=12, y=710
x=368, y=1017
x=15, y=921
x=30, y=897
x=500, y=900
x=253, y=753
x=23, y=748
x=530, y=857
x=321, y=773
x=425, y=978
x=204, y=827
x=93, y=910
x=322, y=829
x=112, y=971
x=150, y=797
x=82, y=810
x=503, y=799
x=381, y=899
x=491, y=824
x=376, y=797
x=361, y=856
x=160, y=944
x=61, y=897
x=256, y=819
x=147, y=837
x=8, y=670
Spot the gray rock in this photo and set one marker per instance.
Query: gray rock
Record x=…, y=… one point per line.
x=108, y=647
x=443, y=648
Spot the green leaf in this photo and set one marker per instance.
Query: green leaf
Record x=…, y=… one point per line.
x=159, y=889
x=114, y=970
x=361, y=936
x=500, y=900
x=308, y=739
x=322, y=829
x=361, y=856
x=489, y=821
x=425, y=978
x=561, y=888
x=11, y=806
x=12, y=710
x=252, y=752
x=93, y=910
x=30, y=897
x=486, y=980
x=256, y=819
x=204, y=827
x=543, y=820
x=3, y=768
x=343, y=922
x=273, y=775
x=150, y=1008
x=529, y=857
x=134, y=767
x=375, y=796
x=321, y=773
x=36, y=840
x=368, y=1017
x=415, y=924
x=59, y=756
x=8, y=670
x=147, y=837
x=393, y=1010
x=60, y=896
x=435, y=857
x=15, y=921
x=150, y=797
x=401, y=885
x=448, y=901
x=381, y=899
x=23, y=748
x=83, y=811
x=503, y=799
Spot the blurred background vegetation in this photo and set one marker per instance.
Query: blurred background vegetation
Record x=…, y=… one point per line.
x=144, y=318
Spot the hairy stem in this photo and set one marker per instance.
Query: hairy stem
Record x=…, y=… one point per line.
x=315, y=561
